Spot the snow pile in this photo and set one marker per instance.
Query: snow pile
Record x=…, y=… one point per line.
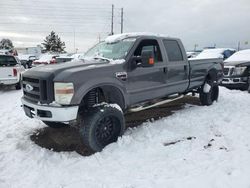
x=118, y=37
x=117, y=61
x=198, y=146
x=212, y=53
x=243, y=55
x=45, y=58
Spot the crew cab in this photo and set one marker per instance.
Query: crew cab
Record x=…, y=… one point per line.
x=10, y=71
x=237, y=71
x=124, y=73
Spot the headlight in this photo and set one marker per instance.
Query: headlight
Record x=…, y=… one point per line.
x=63, y=92
x=239, y=70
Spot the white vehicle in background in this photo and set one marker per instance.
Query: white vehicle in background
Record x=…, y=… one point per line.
x=62, y=58
x=237, y=71
x=216, y=53
x=10, y=71
x=69, y=57
x=45, y=59
x=77, y=56
x=4, y=52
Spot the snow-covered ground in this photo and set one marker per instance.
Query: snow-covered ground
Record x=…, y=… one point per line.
x=218, y=156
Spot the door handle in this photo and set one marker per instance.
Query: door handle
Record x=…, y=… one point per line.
x=185, y=67
x=165, y=69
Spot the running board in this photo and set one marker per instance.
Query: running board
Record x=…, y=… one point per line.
x=140, y=108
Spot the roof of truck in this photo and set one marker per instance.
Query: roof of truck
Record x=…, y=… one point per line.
x=118, y=37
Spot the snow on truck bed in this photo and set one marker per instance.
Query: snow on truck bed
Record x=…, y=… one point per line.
x=198, y=146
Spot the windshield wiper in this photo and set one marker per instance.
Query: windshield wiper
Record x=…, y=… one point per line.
x=101, y=58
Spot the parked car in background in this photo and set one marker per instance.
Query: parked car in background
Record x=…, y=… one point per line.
x=237, y=71
x=45, y=59
x=10, y=71
x=69, y=57
x=5, y=52
x=64, y=58
x=27, y=59
x=216, y=53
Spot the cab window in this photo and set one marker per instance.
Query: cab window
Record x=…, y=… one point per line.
x=173, y=50
x=151, y=45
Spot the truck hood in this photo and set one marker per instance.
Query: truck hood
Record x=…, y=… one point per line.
x=70, y=70
x=57, y=68
x=236, y=63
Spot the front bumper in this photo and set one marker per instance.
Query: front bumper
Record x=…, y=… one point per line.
x=49, y=113
x=235, y=82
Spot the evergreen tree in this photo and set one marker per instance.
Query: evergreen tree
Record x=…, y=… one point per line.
x=6, y=44
x=53, y=43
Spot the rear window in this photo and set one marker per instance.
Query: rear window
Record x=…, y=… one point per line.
x=173, y=50
x=7, y=61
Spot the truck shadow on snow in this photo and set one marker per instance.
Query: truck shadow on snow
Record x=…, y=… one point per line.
x=67, y=139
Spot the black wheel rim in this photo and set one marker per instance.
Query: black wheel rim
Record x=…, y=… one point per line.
x=107, y=130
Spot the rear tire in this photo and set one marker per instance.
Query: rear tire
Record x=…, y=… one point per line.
x=207, y=98
x=101, y=126
x=248, y=85
x=55, y=125
x=18, y=86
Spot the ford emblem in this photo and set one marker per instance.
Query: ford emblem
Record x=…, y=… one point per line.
x=28, y=87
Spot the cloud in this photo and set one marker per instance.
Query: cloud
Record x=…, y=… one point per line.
x=206, y=22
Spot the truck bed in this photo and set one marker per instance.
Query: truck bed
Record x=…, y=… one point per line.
x=199, y=67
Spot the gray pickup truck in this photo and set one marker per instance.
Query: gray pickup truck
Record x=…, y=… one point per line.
x=124, y=73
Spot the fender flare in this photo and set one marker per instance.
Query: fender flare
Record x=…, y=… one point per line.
x=105, y=82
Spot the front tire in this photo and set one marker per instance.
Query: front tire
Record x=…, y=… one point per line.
x=101, y=126
x=208, y=97
x=55, y=125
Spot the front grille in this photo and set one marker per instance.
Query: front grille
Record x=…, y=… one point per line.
x=228, y=71
x=36, y=90
x=231, y=71
x=225, y=71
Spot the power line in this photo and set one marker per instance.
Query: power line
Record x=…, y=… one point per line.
x=52, y=4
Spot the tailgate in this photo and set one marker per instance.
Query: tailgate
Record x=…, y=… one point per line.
x=6, y=72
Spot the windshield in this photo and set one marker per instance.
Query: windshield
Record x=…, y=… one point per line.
x=117, y=50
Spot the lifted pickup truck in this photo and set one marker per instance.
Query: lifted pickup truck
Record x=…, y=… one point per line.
x=124, y=73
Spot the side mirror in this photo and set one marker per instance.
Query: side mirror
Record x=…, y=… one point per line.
x=147, y=58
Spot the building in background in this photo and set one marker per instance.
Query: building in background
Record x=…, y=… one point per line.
x=37, y=51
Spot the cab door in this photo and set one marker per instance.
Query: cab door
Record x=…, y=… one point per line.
x=177, y=78
x=145, y=83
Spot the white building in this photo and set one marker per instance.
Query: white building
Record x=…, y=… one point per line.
x=37, y=51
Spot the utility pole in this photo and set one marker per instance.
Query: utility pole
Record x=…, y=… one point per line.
x=121, y=20
x=239, y=46
x=74, y=40
x=195, y=46
x=112, y=21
